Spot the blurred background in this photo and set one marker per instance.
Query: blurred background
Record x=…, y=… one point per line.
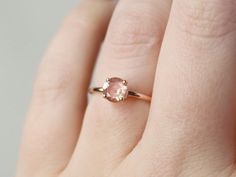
x=26, y=27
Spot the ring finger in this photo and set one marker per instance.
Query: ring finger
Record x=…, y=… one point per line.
x=130, y=51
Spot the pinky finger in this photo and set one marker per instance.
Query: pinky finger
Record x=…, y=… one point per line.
x=59, y=99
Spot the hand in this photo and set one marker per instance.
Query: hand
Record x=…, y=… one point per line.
x=188, y=130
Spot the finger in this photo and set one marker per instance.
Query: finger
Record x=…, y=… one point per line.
x=59, y=98
x=192, y=119
x=130, y=51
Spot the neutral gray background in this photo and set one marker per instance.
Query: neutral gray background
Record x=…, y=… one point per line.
x=26, y=27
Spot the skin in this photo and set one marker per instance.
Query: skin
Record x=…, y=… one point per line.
x=181, y=52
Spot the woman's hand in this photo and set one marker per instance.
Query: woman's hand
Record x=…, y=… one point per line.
x=188, y=130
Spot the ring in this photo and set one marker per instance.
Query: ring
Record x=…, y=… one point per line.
x=116, y=90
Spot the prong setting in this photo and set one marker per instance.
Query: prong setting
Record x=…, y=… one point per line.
x=115, y=89
x=125, y=82
x=121, y=99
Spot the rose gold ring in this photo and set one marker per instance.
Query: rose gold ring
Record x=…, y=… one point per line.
x=116, y=90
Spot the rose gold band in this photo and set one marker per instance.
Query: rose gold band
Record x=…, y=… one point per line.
x=116, y=90
x=131, y=94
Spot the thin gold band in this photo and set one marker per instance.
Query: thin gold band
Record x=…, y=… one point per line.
x=130, y=93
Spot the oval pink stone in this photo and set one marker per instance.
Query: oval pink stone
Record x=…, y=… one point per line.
x=115, y=89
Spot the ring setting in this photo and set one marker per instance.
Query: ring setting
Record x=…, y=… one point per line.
x=116, y=90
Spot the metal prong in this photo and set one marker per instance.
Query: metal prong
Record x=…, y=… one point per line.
x=124, y=82
x=107, y=79
x=120, y=99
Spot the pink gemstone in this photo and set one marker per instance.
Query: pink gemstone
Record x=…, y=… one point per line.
x=115, y=89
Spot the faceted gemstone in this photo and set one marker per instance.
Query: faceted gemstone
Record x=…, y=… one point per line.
x=115, y=89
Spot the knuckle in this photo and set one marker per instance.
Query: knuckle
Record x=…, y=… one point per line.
x=87, y=16
x=133, y=33
x=207, y=19
x=79, y=19
x=52, y=83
